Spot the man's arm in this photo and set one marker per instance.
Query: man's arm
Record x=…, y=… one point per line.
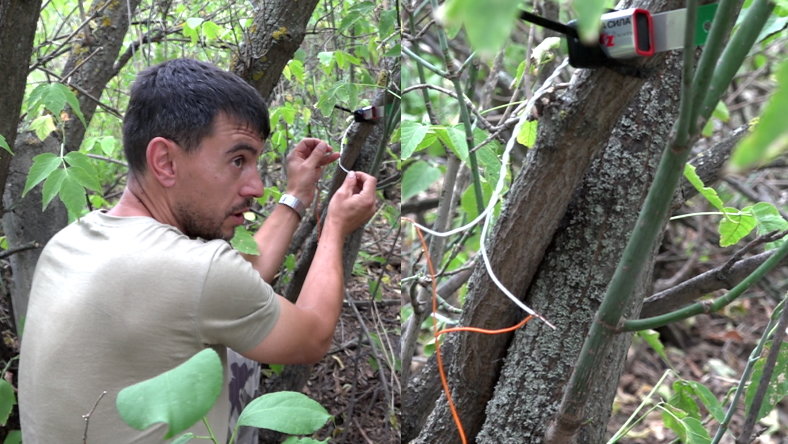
x=304, y=330
x=304, y=168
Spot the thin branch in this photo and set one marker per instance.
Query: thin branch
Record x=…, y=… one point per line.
x=766, y=376
x=706, y=307
x=86, y=417
x=704, y=283
x=98, y=102
x=28, y=246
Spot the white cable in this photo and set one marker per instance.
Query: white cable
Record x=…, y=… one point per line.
x=342, y=148
x=487, y=213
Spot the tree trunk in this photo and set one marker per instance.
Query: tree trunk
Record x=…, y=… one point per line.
x=576, y=270
x=359, y=155
x=574, y=128
x=88, y=73
x=277, y=32
x=18, y=20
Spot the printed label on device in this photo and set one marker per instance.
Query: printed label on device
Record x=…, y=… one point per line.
x=627, y=33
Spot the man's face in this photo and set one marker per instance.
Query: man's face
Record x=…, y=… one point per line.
x=218, y=182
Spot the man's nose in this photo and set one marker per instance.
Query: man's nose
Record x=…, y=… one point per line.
x=253, y=187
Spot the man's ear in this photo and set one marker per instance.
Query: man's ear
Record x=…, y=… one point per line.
x=160, y=155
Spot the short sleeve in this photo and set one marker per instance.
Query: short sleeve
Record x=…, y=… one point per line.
x=237, y=307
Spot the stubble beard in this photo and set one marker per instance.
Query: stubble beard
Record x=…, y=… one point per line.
x=195, y=225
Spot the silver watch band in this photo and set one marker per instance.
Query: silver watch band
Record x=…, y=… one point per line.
x=293, y=202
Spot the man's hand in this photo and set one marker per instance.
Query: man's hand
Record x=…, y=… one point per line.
x=305, y=167
x=353, y=203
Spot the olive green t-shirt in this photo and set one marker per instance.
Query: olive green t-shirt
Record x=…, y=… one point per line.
x=116, y=300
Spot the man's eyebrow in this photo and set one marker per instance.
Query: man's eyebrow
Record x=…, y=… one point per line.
x=244, y=147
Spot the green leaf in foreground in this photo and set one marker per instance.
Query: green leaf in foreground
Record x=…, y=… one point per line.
x=735, y=225
x=709, y=193
x=179, y=397
x=652, y=339
x=417, y=178
x=244, y=242
x=778, y=385
x=487, y=22
x=769, y=139
x=7, y=400
x=4, y=145
x=286, y=412
x=412, y=135
x=43, y=165
x=527, y=134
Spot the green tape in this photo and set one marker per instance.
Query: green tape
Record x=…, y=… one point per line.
x=703, y=22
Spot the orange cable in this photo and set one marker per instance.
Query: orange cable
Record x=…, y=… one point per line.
x=444, y=382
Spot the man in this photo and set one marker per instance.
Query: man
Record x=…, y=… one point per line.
x=123, y=295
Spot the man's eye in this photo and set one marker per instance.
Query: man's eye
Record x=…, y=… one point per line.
x=238, y=161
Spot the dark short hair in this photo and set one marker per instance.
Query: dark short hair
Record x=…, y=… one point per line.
x=179, y=100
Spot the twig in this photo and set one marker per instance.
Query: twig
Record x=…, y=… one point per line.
x=766, y=376
x=702, y=284
x=756, y=352
x=86, y=417
x=98, y=102
x=108, y=159
x=28, y=246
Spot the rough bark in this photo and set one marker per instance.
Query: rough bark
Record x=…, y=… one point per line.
x=18, y=21
x=89, y=67
x=91, y=62
x=24, y=222
x=571, y=132
x=575, y=272
x=277, y=32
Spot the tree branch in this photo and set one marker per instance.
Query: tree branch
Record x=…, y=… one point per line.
x=692, y=289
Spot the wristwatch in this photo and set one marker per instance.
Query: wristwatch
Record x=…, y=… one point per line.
x=293, y=202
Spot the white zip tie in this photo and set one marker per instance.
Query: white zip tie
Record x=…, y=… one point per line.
x=486, y=214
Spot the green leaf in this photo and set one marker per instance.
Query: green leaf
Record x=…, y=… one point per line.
x=769, y=139
x=735, y=225
x=769, y=219
x=84, y=178
x=490, y=163
x=244, y=242
x=72, y=193
x=43, y=126
x=709, y=193
x=689, y=430
x=652, y=339
x=417, y=178
x=454, y=139
x=43, y=165
x=778, y=384
x=54, y=97
x=52, y=187
x=4, y=145
x=81, y=160
x=178, y=397
x=296, y=68
x=588, y=19
x=7, y=400
x=527, y=134
x=388, y=20
x=487, y=22
x=468, y=200
x=297, y=440
x=412, y=133
x=210, y=30
x=683, y=399
x=183, y=439
x=13, y=437
x=286, y=412
x=708, y=400
x=328, y=99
